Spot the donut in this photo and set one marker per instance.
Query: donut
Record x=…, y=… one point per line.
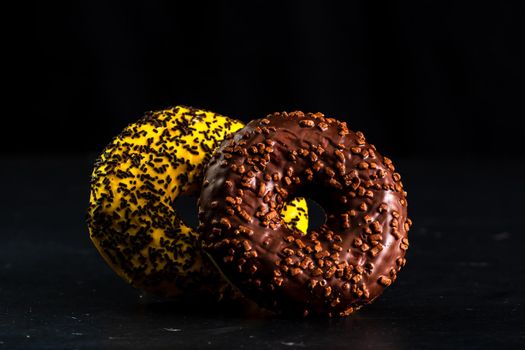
x=295, y=214
x=134, y=185
x=334, y=270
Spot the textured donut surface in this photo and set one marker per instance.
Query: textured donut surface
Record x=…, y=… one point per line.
x=136, y=180
x=333, y=270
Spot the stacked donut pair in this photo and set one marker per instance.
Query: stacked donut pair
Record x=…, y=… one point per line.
x=251, y=181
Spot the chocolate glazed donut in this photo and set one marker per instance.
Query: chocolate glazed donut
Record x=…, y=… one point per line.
x=333, y=270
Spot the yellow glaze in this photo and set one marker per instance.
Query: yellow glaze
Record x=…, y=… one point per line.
x=135, y=183
x=295, y=213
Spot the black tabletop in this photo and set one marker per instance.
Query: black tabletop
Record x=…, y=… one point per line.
x=463, y=286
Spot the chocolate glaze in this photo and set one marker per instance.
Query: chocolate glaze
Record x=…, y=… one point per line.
x=334, y=270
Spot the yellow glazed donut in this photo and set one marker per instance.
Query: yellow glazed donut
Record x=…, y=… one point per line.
x=135, y=183
x=295, y=214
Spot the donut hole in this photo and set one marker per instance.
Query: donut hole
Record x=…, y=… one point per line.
x=186, y=207
x=316, y=215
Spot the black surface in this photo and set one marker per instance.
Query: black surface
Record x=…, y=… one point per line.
x=463, y=286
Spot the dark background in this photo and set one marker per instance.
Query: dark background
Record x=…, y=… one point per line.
x=436, y=85
x=414, y=76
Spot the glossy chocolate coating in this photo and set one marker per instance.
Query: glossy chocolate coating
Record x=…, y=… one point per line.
x=334, y=270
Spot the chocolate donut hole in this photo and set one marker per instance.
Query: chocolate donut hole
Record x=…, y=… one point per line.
x=316, y=214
